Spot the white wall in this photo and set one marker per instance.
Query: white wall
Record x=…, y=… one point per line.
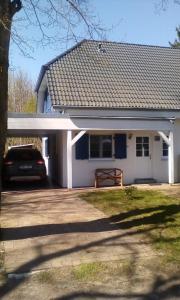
x=83, y=170
x=159, y=163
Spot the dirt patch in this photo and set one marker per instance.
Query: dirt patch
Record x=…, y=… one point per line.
x=111, y=280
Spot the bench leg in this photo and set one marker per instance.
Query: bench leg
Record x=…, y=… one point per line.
x=121, y=182
x=96, y=183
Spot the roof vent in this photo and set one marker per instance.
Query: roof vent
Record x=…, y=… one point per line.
x=100, y=49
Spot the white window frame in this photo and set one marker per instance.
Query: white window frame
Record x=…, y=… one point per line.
x=101, y=158
x=143, y=149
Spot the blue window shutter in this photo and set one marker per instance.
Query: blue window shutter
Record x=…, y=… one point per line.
x=82, y=147
x=120, y=146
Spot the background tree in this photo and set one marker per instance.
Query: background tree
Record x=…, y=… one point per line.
x=21, y=98
x=20, y=92
x=176, y=43
x=54, y=21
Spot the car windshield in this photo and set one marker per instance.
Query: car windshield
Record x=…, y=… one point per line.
x=23, y=154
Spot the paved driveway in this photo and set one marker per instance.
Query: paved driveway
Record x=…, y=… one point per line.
x=53, y=227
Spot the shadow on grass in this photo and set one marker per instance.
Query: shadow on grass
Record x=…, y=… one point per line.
x=158, y=215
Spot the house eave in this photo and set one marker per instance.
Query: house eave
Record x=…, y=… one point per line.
x=65, y=107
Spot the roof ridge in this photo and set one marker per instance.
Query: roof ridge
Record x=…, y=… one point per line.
x=104, y=41
x=131, y=44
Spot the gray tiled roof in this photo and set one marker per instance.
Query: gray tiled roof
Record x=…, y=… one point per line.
x=119, y=76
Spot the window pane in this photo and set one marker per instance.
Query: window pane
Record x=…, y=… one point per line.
x=107, y=146
x=165, y=152
x=145, y=139
x=139, y=139
x=94, y=146
x=139, y=146
x=146, y=146
x=23, y=154
x=165, y=149
x=139, y=153
x=146, y=153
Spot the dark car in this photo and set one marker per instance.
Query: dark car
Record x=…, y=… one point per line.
x=23, y=164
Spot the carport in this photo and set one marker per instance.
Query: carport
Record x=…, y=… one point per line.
x=33, y=125
x=46, y=126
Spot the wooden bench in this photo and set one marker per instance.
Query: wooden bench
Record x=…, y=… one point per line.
x=113, y=174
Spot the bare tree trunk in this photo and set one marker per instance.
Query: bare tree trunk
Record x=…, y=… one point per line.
x=7, y=10
x=4, y=53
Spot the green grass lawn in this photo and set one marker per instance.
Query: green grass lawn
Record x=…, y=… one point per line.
x=154, y=214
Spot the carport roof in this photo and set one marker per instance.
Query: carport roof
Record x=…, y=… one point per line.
x=45, y=124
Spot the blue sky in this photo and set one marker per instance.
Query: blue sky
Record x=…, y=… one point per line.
x=134, y=21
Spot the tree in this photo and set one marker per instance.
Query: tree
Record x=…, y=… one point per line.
x=48, y=16
x=7, y=11
x=176, y=43
x=21, y=98
x=20, y=92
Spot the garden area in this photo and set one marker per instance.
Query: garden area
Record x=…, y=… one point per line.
x=155, y=214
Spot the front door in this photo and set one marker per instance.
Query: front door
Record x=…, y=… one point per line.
x=143, y=153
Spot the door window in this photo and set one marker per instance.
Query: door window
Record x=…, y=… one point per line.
x=142, y=146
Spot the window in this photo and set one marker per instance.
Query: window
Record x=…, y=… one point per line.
x=47, y=103
x=100, y=146
x=164, y=149
x=142, y=146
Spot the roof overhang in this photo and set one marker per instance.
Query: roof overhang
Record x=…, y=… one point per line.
x=20, y=124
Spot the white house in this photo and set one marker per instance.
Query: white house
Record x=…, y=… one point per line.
x=107, y=104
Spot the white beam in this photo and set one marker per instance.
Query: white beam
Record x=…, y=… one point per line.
x=164, y=137
x=69, y=159
x=46, y=124
x=171, y=157
x=77, y=137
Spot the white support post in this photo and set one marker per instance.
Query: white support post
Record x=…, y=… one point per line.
x=170, y=142
x=45, y=154
x=69, y=159
x=70, y=143
x=171, y=157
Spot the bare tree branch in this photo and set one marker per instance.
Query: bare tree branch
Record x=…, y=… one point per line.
x=15, y=6
x=54, y=21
